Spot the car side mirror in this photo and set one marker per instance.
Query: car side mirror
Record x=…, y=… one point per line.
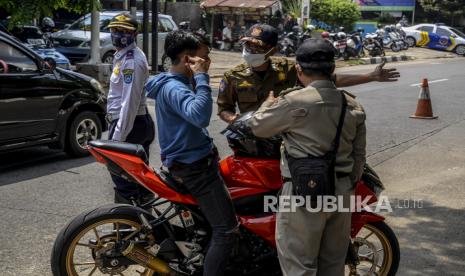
x=49, y=64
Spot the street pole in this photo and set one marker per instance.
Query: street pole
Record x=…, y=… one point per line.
x=413, y=14
x=125, y=5
x=145, y=28
x=212, y=28
x=133, y=4
x=95, y=34
x=155, y=36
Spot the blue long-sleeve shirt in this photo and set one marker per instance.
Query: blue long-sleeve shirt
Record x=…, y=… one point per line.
x=183, y=112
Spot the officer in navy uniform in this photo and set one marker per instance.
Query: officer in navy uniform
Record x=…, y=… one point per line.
x=127, y=109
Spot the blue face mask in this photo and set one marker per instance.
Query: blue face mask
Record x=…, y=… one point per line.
x=121, y=40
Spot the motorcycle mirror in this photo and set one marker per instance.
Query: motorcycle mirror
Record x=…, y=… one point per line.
x=67, y=26
x=49, y=64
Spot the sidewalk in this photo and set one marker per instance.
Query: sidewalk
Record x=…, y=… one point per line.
x=432, y=240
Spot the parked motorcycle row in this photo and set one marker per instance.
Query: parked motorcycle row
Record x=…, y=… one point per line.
x=353, y=45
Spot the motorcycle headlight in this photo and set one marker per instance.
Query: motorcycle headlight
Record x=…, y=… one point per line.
x=97, y=86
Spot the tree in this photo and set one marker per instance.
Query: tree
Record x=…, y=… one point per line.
x=440, y=10
x=336, y=12
x=25, y=11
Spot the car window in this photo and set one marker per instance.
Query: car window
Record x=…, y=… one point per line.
x=457, y=32
x=428, y=29
x=443, y=32
x=167, y=26
x=84, y=24
x=164, y=25
x=16, y=60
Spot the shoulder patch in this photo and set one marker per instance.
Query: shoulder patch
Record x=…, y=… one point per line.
x=127, y=75
x=130, y=54
x=289, y=90
x=223, y=86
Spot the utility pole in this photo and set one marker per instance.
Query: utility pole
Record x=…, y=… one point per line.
x=413, y=13
x=145, y=28
x=95, y=34
x=133, y=7
x=125, y=5
x=155, y=36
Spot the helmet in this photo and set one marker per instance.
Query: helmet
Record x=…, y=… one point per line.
x=341, y=35
x=399, y=26
x=47, y=22
x=244, y=143
x=360, y=30
x=310, y=27
x=341, y=29
x=325, y=35
x=387, y=28
x=296, y=29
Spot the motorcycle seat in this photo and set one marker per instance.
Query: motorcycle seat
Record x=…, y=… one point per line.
x=122, y=147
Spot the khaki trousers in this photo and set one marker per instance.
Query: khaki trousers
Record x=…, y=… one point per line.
x=311, y=244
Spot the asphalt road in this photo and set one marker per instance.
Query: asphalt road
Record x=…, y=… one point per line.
x=40, y=189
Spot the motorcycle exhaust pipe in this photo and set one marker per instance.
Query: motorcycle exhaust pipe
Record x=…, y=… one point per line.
x=139, y=255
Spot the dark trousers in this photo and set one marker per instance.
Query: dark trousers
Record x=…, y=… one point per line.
x=203, y=180
x=143, y=133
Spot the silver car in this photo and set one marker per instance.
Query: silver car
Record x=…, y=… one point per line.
x=74, y=41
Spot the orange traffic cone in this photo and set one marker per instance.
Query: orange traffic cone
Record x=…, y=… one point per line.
x=424, y=109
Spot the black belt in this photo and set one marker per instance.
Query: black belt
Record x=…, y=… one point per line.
x=338, y=175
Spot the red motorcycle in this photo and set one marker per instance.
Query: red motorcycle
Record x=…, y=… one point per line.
x=169, y=235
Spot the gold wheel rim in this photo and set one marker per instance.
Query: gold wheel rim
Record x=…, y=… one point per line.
x=116, y=223
x=383, y=268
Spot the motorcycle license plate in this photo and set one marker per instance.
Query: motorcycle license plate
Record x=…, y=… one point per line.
x=187, y=218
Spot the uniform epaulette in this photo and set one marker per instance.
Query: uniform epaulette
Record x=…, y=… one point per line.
x=130, y=54
x=289, y=90
x=349, y=94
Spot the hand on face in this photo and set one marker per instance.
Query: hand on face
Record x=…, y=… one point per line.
x=385, y=75
x=198, y=64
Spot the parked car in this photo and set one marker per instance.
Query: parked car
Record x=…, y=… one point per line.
x=41, y=104
x=74, y=41
x=436, y=36
x=35, y=39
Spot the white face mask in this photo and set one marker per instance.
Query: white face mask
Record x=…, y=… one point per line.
x=253, y=60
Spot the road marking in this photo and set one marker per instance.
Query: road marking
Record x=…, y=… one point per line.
x=436, y=63
x=418, y=84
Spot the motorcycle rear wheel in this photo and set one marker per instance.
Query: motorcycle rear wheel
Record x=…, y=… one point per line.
x=378, y=251
x=80, y=241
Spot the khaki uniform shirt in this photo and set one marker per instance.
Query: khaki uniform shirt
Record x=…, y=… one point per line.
x=244, y=88
x=308, y=118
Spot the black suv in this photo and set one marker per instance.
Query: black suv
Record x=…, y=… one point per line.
x=41, y=104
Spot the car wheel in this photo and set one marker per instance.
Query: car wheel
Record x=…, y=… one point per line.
x=108, y=57
x=165, y=63
x=411, y=41
x=460, y=50
x=86, y=126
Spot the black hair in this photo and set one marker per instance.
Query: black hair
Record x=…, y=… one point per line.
x=180, y=41
x=325, y=69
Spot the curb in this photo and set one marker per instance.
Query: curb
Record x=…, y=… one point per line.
x=377, y=60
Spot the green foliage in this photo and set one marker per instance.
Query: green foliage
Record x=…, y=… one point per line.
x=336, y=12
x=439, y=10
x=293, y=7
x=24, y=11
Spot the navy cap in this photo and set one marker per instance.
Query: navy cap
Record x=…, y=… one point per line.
x=262, y=35
x=125, y=21
x=313, y=52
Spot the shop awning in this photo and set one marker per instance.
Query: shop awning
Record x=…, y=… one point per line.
x=264, y=7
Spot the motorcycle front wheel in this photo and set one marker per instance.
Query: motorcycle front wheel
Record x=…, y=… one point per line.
x=82, y=246
x=395, y=47
x=378, y=251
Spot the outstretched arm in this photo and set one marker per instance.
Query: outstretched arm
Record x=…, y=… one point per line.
x=379, y=74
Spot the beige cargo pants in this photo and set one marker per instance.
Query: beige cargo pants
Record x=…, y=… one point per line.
x=311, y=244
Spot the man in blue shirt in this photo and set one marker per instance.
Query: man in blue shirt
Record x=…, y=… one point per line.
x=183, y=109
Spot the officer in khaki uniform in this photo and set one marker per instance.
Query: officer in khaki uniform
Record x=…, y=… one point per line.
x=247, y=85
x=314, y=243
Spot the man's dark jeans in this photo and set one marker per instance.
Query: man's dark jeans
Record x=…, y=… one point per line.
x=203, y=180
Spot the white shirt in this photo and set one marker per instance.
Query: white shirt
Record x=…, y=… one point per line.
x=126, y=96
x=227, y=33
